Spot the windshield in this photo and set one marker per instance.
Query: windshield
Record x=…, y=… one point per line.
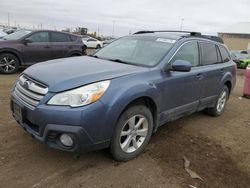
x=17, y=35
x=137, y=50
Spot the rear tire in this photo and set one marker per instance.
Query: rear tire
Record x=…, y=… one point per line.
x=9, y=63
x=84, y=50
x=132, y=134
x=218, y=109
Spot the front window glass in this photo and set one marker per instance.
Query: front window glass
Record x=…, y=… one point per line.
x=137, y=50
x=188, y=52
x=17, y=35
x=39, y=37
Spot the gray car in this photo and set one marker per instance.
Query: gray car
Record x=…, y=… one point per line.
x=26, y=47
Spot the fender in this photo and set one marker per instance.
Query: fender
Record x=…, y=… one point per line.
x=13, y=51
x=127, y=94
x=227, y=77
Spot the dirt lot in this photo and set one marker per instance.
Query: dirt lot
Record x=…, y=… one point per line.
x=218, y=148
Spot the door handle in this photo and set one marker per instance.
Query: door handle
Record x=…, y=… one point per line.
x=199, y=76
x=46, y=46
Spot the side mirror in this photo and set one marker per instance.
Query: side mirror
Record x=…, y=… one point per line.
x=181, y=66
x=27, y=40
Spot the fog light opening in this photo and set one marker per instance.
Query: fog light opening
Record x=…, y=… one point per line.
x=66, y=140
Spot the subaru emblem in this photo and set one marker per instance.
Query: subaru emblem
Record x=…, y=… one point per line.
x=26, y=84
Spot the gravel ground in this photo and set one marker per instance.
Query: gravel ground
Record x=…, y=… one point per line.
x=218, y=149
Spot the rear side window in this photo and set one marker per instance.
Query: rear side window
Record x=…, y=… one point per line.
x=224, y=54
x=73, y=38
x=59, y=37
x=188, y=52
x=209, y=54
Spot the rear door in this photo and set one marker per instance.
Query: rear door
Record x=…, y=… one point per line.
x=37, y=49
x=213, y=71
x=61, y=45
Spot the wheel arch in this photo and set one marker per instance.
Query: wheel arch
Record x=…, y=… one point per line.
x=75, y=53
x=13, y=52
x=228, y=81
x=229, y=85
x=149, y=102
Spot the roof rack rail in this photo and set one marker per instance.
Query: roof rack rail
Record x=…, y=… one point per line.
x=191, y=34
x=214, y=38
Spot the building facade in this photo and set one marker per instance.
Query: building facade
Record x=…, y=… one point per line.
x=237, y=36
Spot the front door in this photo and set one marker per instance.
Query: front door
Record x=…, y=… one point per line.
x=181, y=90
x=37, y=48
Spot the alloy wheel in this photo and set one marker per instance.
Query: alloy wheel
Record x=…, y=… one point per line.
x=133, y=133
x=7, y=64
x=222, y=101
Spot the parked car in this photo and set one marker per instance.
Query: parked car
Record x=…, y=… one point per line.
x=2, y=33
x=108, y=41
x=92, y=43
x=26, y=47
x=119, y=96
x=244, y=63
x=239, y=56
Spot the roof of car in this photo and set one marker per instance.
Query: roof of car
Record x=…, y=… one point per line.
x=54, y=31
x=176, y=35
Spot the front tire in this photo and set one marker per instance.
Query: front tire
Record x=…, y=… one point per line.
x=218, y=109
x=132, y=133
x=98, y=46
x=9, y=63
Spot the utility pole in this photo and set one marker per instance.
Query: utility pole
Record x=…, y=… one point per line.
x=182, y=20
x=8, y=19
x=113, y=32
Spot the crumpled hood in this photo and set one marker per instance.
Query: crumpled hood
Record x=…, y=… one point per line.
x=68, y=73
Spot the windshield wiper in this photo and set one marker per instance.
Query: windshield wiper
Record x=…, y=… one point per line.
x=120, y=61
x=115, y=60
x=95, y=56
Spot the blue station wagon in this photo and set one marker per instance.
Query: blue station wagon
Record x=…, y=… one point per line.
x=120, y=95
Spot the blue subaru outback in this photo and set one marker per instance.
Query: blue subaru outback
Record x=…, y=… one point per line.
x=117, y=97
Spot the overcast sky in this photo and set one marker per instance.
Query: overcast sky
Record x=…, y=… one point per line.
x=127, y=15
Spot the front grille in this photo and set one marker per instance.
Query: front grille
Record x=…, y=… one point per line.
x=29, y=92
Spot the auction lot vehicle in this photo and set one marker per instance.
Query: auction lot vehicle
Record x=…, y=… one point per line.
x=26, y=47
x=2, y=33
x=92, y=43
x=241, y=58
x=117, y=97
x=244, y=63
